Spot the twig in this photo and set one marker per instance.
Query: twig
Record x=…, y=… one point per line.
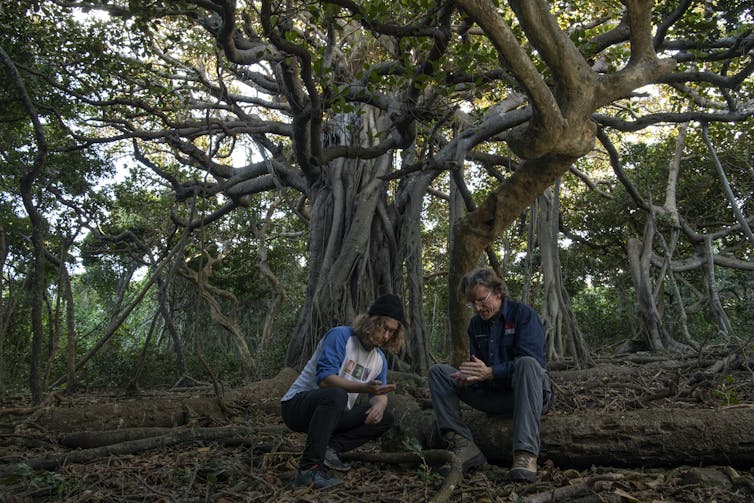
x=235, y=434
x=566, y=493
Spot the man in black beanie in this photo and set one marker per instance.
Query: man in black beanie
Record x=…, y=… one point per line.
x=322, y=402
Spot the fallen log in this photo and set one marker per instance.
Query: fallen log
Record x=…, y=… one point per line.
x=644, y=437
x=163, y=411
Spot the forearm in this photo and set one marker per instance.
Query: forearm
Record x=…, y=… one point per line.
x=335, y=381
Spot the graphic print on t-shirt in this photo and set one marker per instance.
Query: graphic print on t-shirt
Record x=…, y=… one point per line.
x=356, y=371
x=360, y=364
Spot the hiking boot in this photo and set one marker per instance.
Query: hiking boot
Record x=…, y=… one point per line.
x=466, y=450
x=333, y=461
x=524, y=467
x=315, y=477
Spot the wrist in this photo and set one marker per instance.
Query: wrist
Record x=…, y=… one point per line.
x=379, y=400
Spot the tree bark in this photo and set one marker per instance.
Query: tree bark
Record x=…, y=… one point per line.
x=713, y=295
x=163, y=412
x=642, y=438
x=651, y=330
x=164, y=308
x=215, y=299
x=71, y=337
x=263, y=266
x=561, y=330
x=28, y=191
x=364, y=241
x=4, y=304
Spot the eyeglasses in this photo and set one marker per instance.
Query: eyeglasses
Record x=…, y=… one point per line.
x=480, y=303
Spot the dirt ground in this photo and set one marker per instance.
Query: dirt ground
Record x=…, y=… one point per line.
x=262, y=468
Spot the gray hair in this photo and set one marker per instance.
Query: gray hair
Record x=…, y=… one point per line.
x=485, y=277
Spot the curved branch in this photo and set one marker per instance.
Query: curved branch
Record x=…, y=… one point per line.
x=570, y=69
x=670, y=117
x=512, y=55
x=726, y=185
x=238, y=50
x=667, y=23
x=721, y=81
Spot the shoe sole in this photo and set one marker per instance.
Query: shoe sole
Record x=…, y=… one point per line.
x=475, y=462
x=519, y=475
x=341, y=469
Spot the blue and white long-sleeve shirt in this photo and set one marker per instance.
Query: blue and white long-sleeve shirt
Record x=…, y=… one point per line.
x=340, y=352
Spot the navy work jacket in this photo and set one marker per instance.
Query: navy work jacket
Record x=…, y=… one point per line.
x=514, y=332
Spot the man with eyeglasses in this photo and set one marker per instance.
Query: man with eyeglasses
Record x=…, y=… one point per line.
x=506, y=374
x=348, y=362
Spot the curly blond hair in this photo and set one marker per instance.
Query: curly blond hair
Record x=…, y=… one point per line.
x=370, y=327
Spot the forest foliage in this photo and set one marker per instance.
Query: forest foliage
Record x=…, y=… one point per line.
x=176, y=176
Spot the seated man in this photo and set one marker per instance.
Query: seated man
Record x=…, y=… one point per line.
x=506, y=374
x=347, y=362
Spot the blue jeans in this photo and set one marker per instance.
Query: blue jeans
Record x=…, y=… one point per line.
x=323, y=416
x=524, y=400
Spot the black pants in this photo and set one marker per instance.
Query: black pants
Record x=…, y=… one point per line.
x=323, y=416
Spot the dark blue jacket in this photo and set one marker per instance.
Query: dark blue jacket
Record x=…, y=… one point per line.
x=516, y=331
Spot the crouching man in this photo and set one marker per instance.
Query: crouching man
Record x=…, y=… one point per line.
x=348, y=361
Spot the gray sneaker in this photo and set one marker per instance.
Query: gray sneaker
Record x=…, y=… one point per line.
x=466, y=450
x=333, y=461
x=315, y=477
x=524, y=467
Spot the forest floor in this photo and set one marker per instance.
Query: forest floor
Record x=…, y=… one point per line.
x=263, y=470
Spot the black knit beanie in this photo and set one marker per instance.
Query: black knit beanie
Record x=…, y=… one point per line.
x=388, y=305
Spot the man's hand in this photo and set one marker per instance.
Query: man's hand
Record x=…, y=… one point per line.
x=374, y=413
x=461, y=378
x=473, y=371
x=377, y=388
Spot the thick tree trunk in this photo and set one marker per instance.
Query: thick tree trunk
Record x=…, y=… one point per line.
x=345, y=263
x=646, y=437
x=410, y=250
x=651, y=329
x=364, y=242
x=163, y=412
x=561, y=330
x=713, y=294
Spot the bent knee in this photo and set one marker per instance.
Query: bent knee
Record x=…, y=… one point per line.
x=440, y=370
x=336, y=396
x=527, y=365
